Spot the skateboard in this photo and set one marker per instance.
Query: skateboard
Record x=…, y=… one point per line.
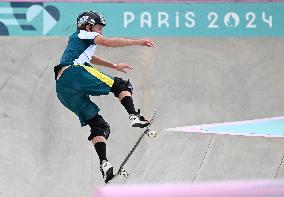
x=150, y=133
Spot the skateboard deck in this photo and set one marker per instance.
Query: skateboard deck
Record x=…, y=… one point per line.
x=150, y=133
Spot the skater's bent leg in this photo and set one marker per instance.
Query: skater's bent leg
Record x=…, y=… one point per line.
x=100, y=131
x=128, y=104
x=99, y=128
x=123, y=94
x=98, y=139
x=100, y=147
x=123, y=90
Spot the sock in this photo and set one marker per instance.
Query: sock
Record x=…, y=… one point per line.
x=101, y=151
x=127, y=102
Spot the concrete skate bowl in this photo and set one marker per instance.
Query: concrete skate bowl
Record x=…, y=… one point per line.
x=45, y=152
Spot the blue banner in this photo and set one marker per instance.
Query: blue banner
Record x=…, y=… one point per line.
x=146, y=19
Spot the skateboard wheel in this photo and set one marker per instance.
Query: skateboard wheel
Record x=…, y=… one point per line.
x=152, y=133
x=124, y=173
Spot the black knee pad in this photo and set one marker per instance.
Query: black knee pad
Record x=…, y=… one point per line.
x=99, y=127
x=120, y=85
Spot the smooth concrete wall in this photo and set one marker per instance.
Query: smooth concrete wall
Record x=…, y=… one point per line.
x=43, y=150
x=178, y=157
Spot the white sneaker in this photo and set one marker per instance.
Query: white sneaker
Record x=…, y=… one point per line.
x=137, y=120
x=107, y=171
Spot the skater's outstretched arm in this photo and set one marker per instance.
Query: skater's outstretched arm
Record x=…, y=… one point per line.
x=122, y=42
x=122, y=67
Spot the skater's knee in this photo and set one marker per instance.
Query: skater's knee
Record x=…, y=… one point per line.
x=98, y=139
x=99, y=127
x=124, y=94
x=121, y=85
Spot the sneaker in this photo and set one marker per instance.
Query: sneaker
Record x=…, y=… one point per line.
x=137, y=120
x=107, y=171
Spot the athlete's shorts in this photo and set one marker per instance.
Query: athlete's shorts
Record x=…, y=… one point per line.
x=76, y=84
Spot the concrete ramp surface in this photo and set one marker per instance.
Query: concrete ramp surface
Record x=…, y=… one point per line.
x=192, y=81
x=188, y=155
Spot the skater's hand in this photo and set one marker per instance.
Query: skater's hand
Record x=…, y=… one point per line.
x=123, y=67
x=147, y=42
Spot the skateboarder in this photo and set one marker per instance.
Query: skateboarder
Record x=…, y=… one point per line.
x=77, y=80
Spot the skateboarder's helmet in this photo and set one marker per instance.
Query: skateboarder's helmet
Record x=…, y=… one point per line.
x=89, y=18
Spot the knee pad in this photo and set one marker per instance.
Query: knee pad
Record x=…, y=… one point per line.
x=120, y=85
x=99, y=127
